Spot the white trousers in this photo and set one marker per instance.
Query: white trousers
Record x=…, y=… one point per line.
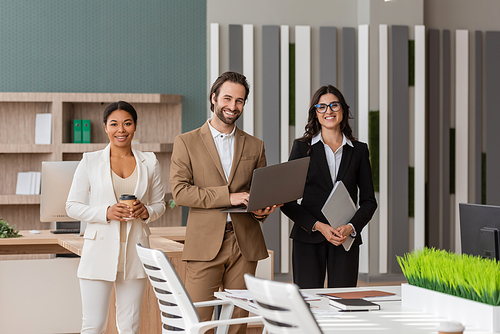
x=95, y=304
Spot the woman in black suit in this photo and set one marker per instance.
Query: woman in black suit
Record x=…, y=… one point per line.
x=335, y=156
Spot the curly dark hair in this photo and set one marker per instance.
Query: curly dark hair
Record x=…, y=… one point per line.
x=313, y=126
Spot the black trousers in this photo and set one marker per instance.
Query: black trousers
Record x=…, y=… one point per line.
x=311, y=262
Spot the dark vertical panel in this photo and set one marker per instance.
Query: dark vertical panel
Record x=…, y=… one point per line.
x=492, y=103
x=445, y=180
x=433, y=140
x=478, y=103
x=328, y=56
x=349, y=73
x=398, y=148
x=236, y=48
x=236, y=54
x=271, y=124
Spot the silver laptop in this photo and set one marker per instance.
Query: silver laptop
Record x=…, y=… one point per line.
x=276, y=184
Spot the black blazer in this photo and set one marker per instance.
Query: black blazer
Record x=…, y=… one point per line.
x=355, y=173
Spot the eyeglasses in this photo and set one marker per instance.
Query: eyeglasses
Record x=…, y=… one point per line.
x=334, y=106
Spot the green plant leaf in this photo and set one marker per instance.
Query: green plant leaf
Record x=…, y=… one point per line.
x=7, y=231
x=465, y=276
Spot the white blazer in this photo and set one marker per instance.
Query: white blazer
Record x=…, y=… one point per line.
x=101, y=246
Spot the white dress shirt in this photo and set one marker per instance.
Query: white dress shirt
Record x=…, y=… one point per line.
x=333, y=159
x=225, y=147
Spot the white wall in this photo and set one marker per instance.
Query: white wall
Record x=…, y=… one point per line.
x=40, y=296
x=462, y=14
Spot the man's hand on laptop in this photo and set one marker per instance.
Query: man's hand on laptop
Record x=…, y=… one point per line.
x=267, y=211
x=239, y=199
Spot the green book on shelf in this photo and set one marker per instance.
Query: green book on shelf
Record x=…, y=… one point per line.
x=86, y=131
x=77, y=131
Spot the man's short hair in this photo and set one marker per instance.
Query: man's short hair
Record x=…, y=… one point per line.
x=231, y=77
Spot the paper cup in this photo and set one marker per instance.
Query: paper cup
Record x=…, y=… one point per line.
x=450, y=327
x=128, y=199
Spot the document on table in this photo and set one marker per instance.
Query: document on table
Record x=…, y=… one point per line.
x=332, y=312
x=371, y=295
x=239, y=294
x=246, y=295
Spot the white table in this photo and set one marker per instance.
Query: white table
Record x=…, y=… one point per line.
x=391, y=318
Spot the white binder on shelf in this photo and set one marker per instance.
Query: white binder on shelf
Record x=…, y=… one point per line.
x=339, y=209
x=36, y=186
x=43, y=129
x=33, y=183
x=23, y=186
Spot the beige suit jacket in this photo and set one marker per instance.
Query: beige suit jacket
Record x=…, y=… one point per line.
x=198, y=181
x=101, y=246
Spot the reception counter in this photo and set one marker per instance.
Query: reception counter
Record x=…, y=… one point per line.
x=43, y=295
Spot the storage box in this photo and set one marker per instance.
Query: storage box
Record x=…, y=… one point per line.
x=468, y=312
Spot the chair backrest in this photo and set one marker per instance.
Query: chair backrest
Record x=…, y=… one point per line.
x=282, y=306
x=177, y=310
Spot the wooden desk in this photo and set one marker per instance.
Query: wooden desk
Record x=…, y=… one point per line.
x=43, y=243
x=49, y=243
x=175, y=233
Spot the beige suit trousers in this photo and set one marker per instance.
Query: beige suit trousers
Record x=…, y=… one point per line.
x=226, y=271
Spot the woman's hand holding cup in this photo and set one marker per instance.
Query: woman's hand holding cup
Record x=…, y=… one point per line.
x=119, y=211
x=129, y=207
x=136, y=207
x=139, y=210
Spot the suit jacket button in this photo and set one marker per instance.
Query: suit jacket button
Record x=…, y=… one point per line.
x=140, y=237
x=102, y=238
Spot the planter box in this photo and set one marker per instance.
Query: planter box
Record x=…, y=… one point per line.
x=468, y=312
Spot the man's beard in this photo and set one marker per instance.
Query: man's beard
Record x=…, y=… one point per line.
x=220, y=115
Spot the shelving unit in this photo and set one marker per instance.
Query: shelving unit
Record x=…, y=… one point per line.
x=159, y=121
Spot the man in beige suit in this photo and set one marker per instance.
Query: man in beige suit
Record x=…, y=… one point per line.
x=211, y=169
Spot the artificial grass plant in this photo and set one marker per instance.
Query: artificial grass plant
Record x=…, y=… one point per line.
x=465, y=276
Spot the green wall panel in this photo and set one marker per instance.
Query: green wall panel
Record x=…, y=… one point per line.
x=127, y=46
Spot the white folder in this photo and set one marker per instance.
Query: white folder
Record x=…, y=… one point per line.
x=43, y=129
x=23, y=186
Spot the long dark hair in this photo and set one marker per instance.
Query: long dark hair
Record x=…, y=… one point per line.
x=313, y=126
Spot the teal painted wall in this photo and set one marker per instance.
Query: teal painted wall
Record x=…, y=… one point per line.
x=127, y=46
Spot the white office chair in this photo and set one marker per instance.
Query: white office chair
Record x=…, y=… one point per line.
x=178, y=312
x=282, y=307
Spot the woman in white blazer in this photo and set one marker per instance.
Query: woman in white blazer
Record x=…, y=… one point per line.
x=113, y=229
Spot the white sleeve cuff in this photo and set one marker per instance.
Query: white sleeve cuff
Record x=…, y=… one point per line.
x=353, y=234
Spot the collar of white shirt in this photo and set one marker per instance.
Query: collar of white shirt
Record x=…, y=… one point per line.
x=216, y=133
x=318, y=138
